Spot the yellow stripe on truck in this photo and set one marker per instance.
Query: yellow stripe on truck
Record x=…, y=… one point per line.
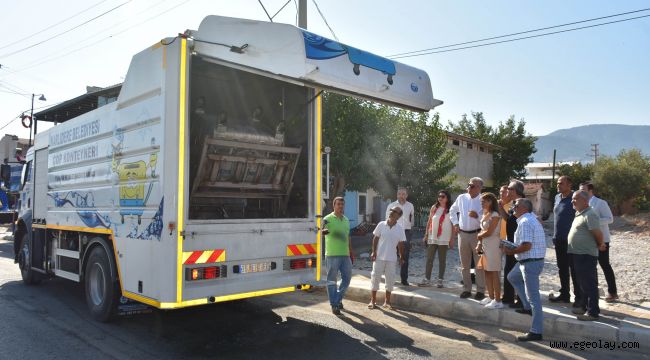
x=181, y=171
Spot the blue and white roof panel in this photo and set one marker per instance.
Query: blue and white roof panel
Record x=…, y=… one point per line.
x=300, y=55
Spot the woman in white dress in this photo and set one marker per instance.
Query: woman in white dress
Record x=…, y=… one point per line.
x=438, y=237
x=488, y=244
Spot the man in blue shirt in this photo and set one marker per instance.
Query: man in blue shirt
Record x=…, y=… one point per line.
x=563, y=214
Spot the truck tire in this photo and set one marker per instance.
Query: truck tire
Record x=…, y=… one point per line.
x=30, y=277
x=102, y=289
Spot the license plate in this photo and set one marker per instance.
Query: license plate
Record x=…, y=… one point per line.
x=256, y=267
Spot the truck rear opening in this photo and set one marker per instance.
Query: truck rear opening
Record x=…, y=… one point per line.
x=248, y=145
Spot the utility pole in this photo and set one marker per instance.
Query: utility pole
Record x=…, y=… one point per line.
x=302, y=14
x=594, y=152
x=553, y=169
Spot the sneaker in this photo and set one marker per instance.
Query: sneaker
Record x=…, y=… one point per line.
x=494, y=305
x=424, y=282
x=479, y=296
x=439, y=283
x=587, y=317
x=405, y=283
x=611, y=298
x=485, y=301
x=336, y=311
x=530, y=337
x=465, y=294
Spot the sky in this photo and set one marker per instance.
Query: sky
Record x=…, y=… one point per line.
x=598, y=75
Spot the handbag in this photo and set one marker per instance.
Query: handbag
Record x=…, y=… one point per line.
x=482, y=263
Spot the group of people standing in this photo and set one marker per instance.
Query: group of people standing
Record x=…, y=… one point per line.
x=493, y=234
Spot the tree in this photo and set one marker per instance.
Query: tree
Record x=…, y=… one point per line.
x=383, y=147
x=577, y=172
x=517, y=145
x=623, y=178
x=345, y=121
x=413, y=155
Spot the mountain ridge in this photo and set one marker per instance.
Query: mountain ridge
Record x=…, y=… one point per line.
x=575, y=144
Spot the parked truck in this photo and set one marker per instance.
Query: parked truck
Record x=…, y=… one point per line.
x=200, y=181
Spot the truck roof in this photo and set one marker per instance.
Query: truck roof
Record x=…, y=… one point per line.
x=79, y=105
x=289, y=52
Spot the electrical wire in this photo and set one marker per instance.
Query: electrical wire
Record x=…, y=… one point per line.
x=14, y=88
x=325, y=20
x=53, y=25
x=65, y=32
x=296, y=5
x=283, y=6
x=266, y=12
x=519, y=38
x=68, y=53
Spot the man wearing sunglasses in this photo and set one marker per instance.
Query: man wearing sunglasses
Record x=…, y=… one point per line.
x=464, y=215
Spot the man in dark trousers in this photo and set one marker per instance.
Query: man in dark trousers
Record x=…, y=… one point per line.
x=563, y=214
x=515, y=190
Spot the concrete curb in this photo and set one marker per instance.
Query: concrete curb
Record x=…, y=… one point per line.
x=556, y=324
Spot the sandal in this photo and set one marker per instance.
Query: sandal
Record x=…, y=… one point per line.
x=372, y=306
x=388, y=306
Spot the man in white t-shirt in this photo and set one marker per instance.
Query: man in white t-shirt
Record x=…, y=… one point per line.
x=387, y=235
x=406, y=222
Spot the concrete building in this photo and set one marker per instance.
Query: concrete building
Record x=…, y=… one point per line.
x=475, y=158
x=543, y=172
x=9, y=144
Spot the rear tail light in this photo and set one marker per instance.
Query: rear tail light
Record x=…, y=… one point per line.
x=298, y=264
x=206, y=273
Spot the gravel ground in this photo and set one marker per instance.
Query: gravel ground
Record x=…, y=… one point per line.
x=629, y=256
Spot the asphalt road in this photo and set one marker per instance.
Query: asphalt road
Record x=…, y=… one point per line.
x=50, y=321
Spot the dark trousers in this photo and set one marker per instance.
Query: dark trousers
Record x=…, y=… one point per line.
x=404, y=270
x=587, y=274
x=603, y=260
x=508, y=290
x=566, y=270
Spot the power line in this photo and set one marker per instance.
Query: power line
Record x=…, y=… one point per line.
x=67, y=53
x=14, y=88
x=283, y=6
x=66, y=31
x=51, y=26
x=520, y=38
x=518, y=33
x=325, y=20
x=266, y=12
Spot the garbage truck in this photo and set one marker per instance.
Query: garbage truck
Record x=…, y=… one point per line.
x=199, y=178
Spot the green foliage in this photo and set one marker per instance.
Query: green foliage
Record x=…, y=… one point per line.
x=623, y=178
x=518, y=145
x=382, y=147
x=578, y=173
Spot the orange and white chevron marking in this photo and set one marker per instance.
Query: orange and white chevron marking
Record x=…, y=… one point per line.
x=301, y=249
x=204, y=256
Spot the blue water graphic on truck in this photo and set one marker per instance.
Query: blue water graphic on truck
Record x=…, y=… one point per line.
x=322, y=48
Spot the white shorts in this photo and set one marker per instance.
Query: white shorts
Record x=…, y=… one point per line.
x=379, y=268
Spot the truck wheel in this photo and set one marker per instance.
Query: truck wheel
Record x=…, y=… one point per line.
x=30, y=277
x=102, y=289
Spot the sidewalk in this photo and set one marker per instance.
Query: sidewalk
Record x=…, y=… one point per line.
x=618, y=322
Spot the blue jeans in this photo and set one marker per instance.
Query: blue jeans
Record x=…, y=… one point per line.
x=525, y=279
x=336, y=264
